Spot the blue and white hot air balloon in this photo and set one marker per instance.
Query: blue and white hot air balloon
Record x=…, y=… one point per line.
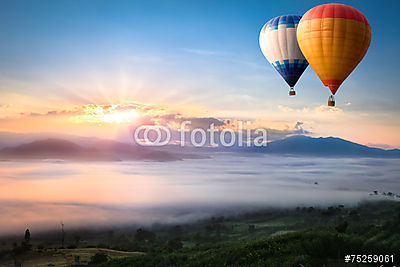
x=279, y=45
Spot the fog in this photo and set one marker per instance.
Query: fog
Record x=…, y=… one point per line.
x=39, y=195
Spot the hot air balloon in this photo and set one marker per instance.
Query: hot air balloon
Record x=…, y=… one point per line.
x=333, y=38
x=279, y=45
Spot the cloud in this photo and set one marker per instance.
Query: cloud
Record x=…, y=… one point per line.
x=326, y=109
x=203, y=123
x=322, y=109
x=134, y=114
x=383, y=146
x=54, y=113
x=299, y=128
x=175, y=120
x=298, y=125
x=200, y=52
x=284, y=108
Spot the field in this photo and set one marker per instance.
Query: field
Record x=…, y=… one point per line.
x=62, y=257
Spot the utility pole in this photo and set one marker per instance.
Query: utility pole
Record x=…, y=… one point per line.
x=62, y=234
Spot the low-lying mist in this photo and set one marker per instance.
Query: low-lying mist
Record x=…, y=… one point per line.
x=41, y=195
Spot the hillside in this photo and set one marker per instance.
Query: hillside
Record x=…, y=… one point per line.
x=329, y=146
x=54, y=149
x=101, y=150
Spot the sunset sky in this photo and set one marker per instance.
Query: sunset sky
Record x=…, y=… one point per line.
x=93, y=68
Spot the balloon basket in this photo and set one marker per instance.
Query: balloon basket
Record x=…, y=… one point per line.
x=331, y=101
x=292, y=92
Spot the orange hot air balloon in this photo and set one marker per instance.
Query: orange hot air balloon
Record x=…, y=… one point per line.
x=333, y=38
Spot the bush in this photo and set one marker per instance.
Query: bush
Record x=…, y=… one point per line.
x=2, y=254
x=99, y=257
x=174, y=244
x=144, y=236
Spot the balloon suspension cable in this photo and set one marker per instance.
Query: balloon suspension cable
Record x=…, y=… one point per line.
x=292, y=92
x=331, y=101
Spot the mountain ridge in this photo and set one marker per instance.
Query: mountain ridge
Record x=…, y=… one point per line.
x=108, y=150
x=53, y=148
x=326, y=146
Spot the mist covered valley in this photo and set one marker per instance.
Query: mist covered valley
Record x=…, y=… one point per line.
x=40, y=195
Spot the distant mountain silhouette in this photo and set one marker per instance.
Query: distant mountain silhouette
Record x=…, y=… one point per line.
x=108, y=150
x=100, y=150
x=54, y=149
x=329, y=146
x=10, y=139
x=126, y=151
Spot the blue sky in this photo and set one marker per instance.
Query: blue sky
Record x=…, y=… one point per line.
x=186, y=53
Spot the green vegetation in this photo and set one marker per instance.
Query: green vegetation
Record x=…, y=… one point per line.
x=273, y=237
x=327, y=235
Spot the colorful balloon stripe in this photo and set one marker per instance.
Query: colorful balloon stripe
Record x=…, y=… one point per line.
x=333, y=38
x=279, y=45
x=291, y=70
x=335, y=11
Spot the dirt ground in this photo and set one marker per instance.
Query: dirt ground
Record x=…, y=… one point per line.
x=61, y=257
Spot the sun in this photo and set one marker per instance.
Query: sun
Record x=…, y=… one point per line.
x=120, y=116
x=115, y=113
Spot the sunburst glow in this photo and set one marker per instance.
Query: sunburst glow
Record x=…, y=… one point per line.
x=116, y=113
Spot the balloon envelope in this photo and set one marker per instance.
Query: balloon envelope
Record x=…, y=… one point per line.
x=333, y=38
x=279, y=45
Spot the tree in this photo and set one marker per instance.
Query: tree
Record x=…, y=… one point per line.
x=176, y=231
x=144, y=235
x=252, y=228
x=341, y=228
x=174, y=244
x=77, y=239
x=99, y=257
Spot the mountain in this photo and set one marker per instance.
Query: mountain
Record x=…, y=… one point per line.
x=108, y=150
x=10, y=139
x=98, y=150
x=126, y=151
x=57, y=149
x=329, y=146
x=299, y=145
x=54, y=149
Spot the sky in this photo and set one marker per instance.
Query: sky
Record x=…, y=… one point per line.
x=94, y=67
